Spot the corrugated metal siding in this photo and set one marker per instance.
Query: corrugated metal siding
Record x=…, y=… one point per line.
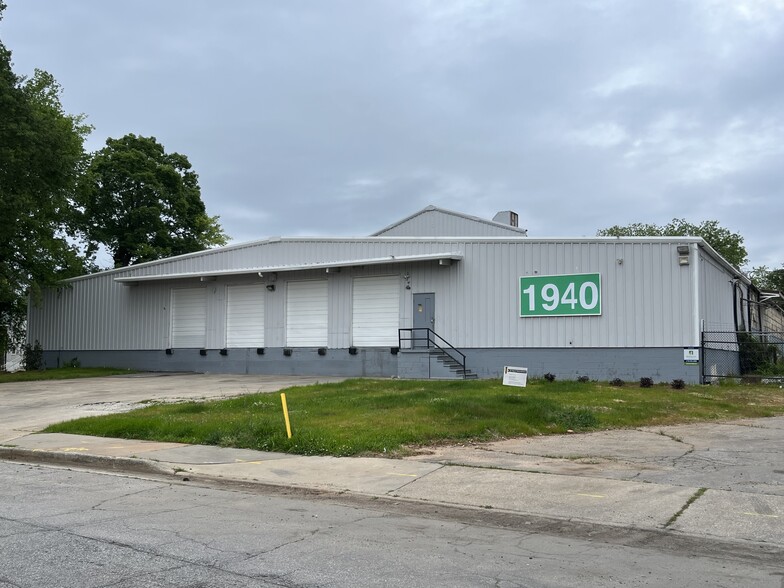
x=716, y=298
x=98, y=313
x=646, y=299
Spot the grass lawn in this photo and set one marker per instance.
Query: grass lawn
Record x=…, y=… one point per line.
x=67, y=373
x=363, y=416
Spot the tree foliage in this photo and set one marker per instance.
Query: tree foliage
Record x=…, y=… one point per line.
x=41, y=155
x=728, y=244
x=143, y=204
x=768, y=280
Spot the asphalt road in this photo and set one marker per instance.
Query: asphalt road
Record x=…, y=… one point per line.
x=62, y=528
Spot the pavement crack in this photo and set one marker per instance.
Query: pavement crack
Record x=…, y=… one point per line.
x=142, y=575
x=414, y=480
x=99, y=505
x=282, y=545
x=689, y=502
x=181, y=561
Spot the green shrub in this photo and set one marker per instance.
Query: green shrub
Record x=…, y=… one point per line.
x=33, y=357
x=756, y=356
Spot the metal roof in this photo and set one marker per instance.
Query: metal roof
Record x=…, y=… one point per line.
x=391, y=259
x=431, y=208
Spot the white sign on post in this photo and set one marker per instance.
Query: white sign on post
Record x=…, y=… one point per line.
x=515, y=376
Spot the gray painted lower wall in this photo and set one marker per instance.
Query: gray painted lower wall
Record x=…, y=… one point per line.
x=662, y=364
x=307, y=362
x=421, y=364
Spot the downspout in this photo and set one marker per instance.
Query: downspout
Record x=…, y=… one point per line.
x=695, y=295
x=735, y=305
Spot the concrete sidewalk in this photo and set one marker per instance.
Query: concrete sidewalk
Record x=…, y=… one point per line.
x=723, y=481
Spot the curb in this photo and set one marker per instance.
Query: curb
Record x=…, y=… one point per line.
x=116, y=464
x=664, y=539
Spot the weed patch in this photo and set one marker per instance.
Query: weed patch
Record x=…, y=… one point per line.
x=65, y=373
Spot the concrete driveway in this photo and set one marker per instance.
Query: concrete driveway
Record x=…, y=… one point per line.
x=27, y=407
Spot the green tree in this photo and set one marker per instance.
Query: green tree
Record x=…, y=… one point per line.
x=41, y=156
x=767, y=279
x=728, y=244
x=143, y=204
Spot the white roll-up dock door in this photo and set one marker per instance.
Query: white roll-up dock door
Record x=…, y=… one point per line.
x=307, y=314
x=245, y=315
x=188, y=318
x=375, y=313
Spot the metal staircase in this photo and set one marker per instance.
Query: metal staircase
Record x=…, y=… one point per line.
x=458, y=369
x=449, y=357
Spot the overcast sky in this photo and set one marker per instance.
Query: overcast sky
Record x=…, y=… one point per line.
x=333, y=117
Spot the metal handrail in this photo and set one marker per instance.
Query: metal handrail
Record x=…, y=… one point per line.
x=448, y=348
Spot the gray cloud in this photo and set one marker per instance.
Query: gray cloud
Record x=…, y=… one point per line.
x=341, y=117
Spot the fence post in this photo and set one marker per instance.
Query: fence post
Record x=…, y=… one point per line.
x=702, y=357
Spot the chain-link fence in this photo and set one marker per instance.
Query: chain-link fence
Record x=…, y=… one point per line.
x=752, y=356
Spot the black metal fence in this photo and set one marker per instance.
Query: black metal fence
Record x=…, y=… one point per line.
x=752, y=356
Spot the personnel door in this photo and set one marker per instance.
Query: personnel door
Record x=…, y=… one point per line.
x=424, y=317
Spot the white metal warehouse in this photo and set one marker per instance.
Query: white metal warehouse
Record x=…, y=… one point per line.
x=432, y=295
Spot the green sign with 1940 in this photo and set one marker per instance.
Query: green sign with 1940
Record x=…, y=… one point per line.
x=564, y=295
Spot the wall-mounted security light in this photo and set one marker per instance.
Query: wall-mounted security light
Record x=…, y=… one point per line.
x=271, y=287
x=445, y=262
x=202, y=352
x=683, y=254
x=224, y=351
x=207, y=279
x=333, y=270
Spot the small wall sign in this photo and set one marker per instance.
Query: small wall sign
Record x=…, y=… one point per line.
x=691, y=355
x=515, y=376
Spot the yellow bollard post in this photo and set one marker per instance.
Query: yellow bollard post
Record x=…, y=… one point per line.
x=286, y=413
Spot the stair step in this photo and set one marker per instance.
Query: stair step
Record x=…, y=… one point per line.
x=454, y=366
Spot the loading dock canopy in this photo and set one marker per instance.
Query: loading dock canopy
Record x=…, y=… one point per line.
x=443, y=258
